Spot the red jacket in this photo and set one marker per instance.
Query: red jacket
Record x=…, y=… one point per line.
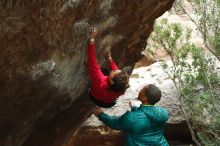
x=100, y=83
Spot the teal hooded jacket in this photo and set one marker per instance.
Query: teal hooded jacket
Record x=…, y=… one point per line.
x=143, y=126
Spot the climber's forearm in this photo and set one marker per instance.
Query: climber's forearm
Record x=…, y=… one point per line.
x=93, y=67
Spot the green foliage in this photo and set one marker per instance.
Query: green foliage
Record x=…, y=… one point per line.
x=207, y=20
x=215, y=42
x=194, y=75
x=204, y=138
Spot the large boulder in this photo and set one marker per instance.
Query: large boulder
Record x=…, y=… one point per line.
x=43, y=52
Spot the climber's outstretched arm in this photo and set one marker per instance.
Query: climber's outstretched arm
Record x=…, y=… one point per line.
x=92, y=64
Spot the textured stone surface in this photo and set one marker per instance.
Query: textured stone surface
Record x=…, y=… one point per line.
x=43, y=50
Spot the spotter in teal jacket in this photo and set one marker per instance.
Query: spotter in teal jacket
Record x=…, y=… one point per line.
x=143, y=126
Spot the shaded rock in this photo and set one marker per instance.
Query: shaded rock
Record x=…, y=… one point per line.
x=146, y=60
x=43, y=48
x=41, y=69
x=97, y=136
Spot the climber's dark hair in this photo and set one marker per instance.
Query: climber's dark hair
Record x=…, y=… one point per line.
x=120, y=82
x=152, y=93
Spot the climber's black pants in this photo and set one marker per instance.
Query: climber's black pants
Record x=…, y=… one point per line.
x=100, y=103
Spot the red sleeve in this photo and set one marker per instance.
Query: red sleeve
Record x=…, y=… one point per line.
x=113, y=65
x=93, y=67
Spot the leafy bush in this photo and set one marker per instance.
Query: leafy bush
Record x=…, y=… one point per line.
x=206, y=19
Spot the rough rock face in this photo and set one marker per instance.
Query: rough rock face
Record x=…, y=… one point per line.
x=43, y=49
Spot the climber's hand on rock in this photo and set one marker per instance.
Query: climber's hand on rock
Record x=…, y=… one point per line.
x=97, y=111
x=108, y=54
x=93, y=33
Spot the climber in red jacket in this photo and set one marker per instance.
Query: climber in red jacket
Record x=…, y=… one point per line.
x=105, y=89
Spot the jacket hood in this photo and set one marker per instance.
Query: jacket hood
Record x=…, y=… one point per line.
x=155, y=113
